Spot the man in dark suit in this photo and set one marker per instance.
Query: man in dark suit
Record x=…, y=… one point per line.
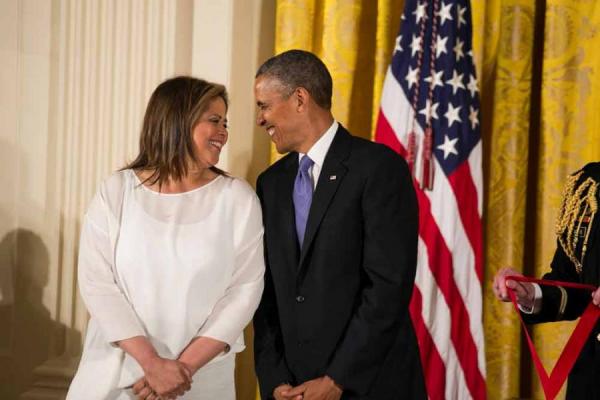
x=341, y=221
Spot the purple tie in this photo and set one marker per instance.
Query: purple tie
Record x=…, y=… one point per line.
x=303, y=191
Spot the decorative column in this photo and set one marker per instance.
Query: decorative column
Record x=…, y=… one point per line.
x=82, y=100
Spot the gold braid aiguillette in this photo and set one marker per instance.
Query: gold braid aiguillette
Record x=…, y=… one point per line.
x=577, y=201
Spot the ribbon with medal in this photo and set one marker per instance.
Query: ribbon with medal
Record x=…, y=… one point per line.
x=553, y=382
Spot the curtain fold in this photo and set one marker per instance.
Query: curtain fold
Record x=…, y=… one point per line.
x=505, y=43
x=355, y=39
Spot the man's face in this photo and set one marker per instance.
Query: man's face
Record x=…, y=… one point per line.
x=277, y=113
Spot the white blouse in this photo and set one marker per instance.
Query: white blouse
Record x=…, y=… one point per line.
x=167, y=266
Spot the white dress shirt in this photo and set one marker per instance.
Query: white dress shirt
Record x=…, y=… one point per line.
x=537, y=301
x=318, y=152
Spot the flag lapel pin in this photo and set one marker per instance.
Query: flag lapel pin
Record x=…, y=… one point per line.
x=332, y=177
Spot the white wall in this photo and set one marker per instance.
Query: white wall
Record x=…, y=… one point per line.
x=75, y=76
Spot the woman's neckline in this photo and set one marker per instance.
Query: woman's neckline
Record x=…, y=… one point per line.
x=191, y=191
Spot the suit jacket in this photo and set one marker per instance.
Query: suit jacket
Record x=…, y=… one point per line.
x=339, y=305
x=585, y=375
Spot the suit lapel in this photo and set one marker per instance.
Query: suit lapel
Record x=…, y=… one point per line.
x=285, y=206
x=331, y=176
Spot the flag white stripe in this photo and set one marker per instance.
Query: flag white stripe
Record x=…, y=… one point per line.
x=444, y=209
x=477, y=174
x=436, y=316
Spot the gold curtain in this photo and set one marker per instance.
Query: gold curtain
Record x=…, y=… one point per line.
x=540, y=82
x=539, y=73
x=355, y=39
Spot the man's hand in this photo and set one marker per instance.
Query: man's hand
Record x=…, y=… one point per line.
x=317, y=389
x=281, y=393
x=165, y=378
x=524, y=291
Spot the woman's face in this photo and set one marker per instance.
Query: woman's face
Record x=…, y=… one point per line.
x=210, y=134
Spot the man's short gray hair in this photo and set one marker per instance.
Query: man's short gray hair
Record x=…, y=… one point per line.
x=299, y=68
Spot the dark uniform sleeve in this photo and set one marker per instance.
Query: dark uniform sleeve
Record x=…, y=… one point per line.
x=560, y=303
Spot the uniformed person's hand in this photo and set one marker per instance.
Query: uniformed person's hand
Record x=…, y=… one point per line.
x=596, y=297
x=524, y=291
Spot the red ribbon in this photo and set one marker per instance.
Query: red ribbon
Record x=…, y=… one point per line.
x=552, y=384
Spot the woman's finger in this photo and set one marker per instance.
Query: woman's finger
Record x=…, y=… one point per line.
x=152, y=396
x=144, y=393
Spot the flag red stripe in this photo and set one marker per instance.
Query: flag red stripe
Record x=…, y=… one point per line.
x=385, y=134
x=435, y=378
x=465, y=192
x=440, y=263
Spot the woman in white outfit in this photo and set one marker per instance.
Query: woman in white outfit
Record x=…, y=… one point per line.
x=170, y=260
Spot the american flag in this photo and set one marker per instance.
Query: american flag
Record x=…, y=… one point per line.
x=430, y=115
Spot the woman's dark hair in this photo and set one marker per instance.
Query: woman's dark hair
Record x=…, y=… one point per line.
x=174, y=109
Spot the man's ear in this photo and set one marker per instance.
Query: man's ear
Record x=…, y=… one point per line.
x=302, y=96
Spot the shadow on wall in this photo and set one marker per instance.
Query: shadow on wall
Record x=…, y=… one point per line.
x=28, y=335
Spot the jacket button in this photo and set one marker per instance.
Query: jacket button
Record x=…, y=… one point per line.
x=300, y=299
x=598, y=337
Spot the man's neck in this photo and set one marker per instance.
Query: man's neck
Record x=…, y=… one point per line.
x=317, y=128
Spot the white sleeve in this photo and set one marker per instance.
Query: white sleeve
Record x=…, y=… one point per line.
x=103, y=297
x=537, y=302
x=235, y=309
